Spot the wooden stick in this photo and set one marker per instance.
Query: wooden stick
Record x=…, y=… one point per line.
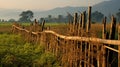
x=104, y=29
x=83, y=20
x=104, y=33
x=89, y=19
x=119, y=46
x=112, y=37
x=112, y=49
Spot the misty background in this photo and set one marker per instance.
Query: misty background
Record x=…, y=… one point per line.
x=41, y=9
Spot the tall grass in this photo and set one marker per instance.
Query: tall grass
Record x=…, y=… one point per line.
x=15, y=52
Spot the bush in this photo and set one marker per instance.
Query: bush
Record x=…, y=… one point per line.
x=15, y=52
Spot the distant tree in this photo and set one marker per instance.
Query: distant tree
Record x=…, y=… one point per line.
x=41, y=19
x=11, y=20
x=69, y=17
x=26, y=16
x=49, y=18
x=118, y=15
x=97, y=16
x=60, y=18
x=2, y=20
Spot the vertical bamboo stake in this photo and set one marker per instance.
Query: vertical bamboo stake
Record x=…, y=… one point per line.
x=98, y=56
x=91, y=53
x=85, y=51
x=75, y=23
x=83, y=19
x=104, y=37
x=43, y=23
x=113, y=28
x=79, y=24
x=81, y=54
x=104, y=29
x=89, y=19
x=80, y=20
x=112, y=36
x=75, y=19
x=119, y=46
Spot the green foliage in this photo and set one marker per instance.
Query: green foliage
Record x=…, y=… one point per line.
x=97, y=16
x=118, y=15
x=15, y=52
x=26, y=16
x=47, y=60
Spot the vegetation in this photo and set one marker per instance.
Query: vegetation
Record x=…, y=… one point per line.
x=15, y=52
x=26, y=16
x=118, y=15
x=97, y=16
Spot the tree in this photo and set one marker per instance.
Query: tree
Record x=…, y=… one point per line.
x=11, y=20
x=97, y=16
x=49, y=18
x=26, y=16
x=118, y=15
x=60, y=18
x=41, y=19
x=69, y=17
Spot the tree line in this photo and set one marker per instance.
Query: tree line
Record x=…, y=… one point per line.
x=27, y=16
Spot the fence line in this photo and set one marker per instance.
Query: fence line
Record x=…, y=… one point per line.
x=77, y=38
x=86, y=39
x=79, y=49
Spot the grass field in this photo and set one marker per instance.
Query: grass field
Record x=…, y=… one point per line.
x=58, y=27
x=15, y=52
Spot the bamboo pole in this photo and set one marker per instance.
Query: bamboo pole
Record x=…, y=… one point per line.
x=89, y=19
x=43, y=25
x=75, y=18
x=104, y=29
x=119, y=46
x=112, y=37
x=103, y=48
x=113, y=28
x=83, y=19
x=75, y=23
x=80, y=20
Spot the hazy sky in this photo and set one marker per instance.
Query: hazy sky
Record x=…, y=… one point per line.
x=44, y=4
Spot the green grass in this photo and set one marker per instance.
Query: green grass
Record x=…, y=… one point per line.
x=4, y=24
x=54, y=24
x=14, y=52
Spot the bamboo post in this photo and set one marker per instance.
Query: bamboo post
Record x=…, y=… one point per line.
x=83, y=19
x=91, y=54
x=43, y=23
x=119, y=46
x=98, y=56
x=79, y=25
x=75, y=23
x=75, y=19
x=112, y=36
x=89, y=19
x=81, y=54
x=113, y=28
x=85, y=51
x=104, y=37
x=87, y=30
x=80, y=20
x=104, y=29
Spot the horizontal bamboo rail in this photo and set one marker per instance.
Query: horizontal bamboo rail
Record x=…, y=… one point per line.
x=86, y=39
x=112, y=49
